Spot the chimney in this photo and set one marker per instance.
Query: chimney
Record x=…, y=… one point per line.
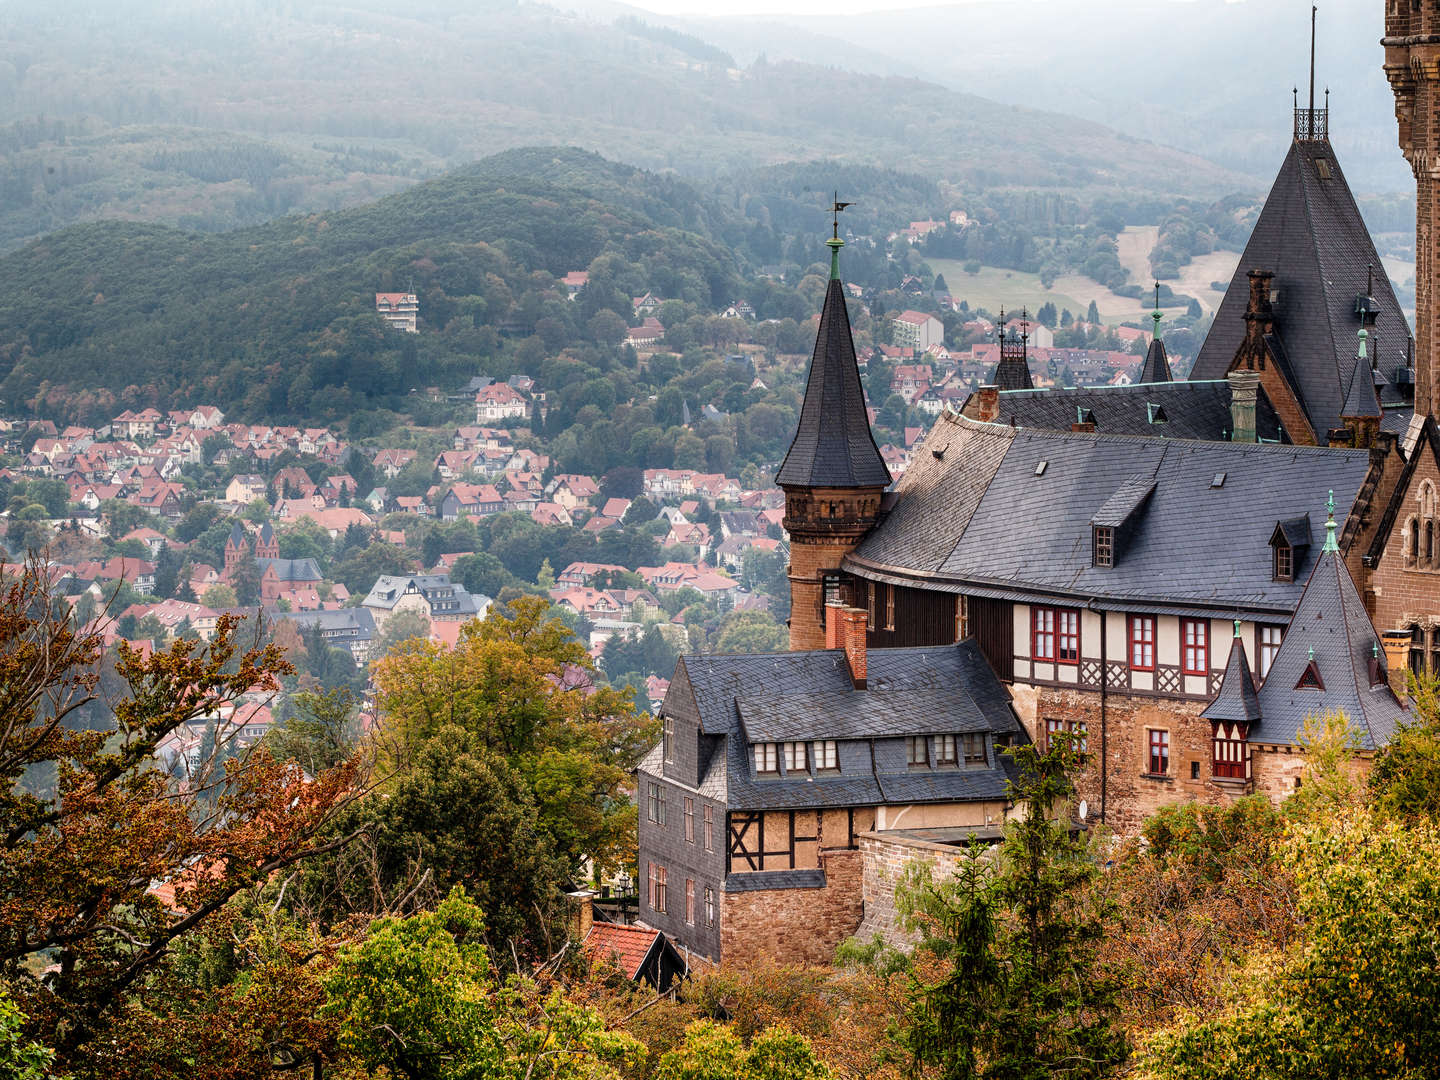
x=1244, y=388
x=834, y=629
x=1396, y=644
x=582, y=913
x=989, y=404
x=1087, y=425
x=855, y=623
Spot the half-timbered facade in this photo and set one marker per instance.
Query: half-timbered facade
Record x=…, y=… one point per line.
x=771, y=767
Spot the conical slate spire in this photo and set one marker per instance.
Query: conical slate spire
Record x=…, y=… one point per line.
x=1360, y=400
x=833, y=445
x=1236, y=703
x=1325, y=661
x=1157, y=364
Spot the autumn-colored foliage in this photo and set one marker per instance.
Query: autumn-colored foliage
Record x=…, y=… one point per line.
x=88, y=824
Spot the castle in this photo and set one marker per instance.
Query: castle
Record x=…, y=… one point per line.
x=1177, y=575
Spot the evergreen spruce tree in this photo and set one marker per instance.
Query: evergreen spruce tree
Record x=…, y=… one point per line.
x=1023, y=998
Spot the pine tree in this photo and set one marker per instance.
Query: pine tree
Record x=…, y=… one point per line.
x=1024, y=998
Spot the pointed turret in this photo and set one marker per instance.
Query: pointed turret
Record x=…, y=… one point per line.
x=1330, y=660
x=833, y=445
x=1361, y=412
x=1312, y=241
x=1236, y=703
x=1157, y=365
x=1013, y=370
x=833, y=475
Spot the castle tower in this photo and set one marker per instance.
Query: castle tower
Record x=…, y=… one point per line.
x=1412, y=64
x=833, y=475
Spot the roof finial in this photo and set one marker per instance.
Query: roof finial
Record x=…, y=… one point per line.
x=835, y=243
x=1330, y=544
x=1156, y=314
x=1237, y=628
x=1313, y=10
x=1360, y=354
x=1312, y=654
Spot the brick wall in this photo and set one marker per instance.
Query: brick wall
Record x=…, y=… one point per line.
x=794, y=926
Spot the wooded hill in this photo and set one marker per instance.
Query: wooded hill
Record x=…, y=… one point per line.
x=273, y=319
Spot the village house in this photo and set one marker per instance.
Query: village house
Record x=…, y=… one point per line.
x=500, y=402
x=400, y=310
x=917, y=330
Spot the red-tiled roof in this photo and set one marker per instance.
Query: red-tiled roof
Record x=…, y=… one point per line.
x=626, y=945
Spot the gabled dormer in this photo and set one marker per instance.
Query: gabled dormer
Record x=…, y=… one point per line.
x=1117, y=518
x=1289, y=546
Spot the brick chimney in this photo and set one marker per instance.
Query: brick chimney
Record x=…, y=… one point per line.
x=1244, y=390
x=854, y=622
x=988, y=398
x=1086, y=425
x=1396, y=644
x=582, y=913
x=834, y=628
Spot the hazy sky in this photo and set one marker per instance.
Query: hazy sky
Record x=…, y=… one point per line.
x=810, y=7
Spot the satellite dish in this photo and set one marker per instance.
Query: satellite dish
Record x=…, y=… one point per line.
x=1084, y=809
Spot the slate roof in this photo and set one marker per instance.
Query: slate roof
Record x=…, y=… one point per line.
x=1331, y=625
x=1193, y=410
x=359, y=619
x=1236, y=703
x=1156, y=368
x=833, y=445
x=306, y=569
x=1311, y=236
x=812, y=691
x=986, y=514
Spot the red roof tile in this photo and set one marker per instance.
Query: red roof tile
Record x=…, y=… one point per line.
x=626, y=945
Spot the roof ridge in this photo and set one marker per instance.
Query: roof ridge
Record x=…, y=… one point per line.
x=1097, y=436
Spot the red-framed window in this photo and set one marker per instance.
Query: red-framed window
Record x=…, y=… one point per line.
x=1195, y=646
x=1055, y=634
x=1159, y=751
x=1042, y=633
x=660, y=889
x=1142, y=642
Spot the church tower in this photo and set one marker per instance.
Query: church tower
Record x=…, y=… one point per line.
x=1412, y=64
x=833, y=476
x=1012, y=372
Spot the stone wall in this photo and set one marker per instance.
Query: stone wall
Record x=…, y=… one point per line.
x=885, y=857
x=793, y=926
x=1130, y=792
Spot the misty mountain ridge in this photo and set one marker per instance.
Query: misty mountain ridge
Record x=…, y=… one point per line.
x=332, y=105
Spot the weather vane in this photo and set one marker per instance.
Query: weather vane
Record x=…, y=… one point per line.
x=835, y=214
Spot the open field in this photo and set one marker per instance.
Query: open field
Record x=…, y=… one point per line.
x=993, y=286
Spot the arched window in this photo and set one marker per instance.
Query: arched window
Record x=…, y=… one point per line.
x=1412, y=542
x=1429, y=543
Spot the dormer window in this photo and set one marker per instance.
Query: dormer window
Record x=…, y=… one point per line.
x=825, y=754
x=945, y=752
x=767, y=759
x=668, y=737
x=1284, y=562
x=795, y=757
x=1289, y=542
x=916, y=752
x=1104, y=545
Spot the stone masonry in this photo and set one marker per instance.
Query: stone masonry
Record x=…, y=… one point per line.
x=800, y=926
